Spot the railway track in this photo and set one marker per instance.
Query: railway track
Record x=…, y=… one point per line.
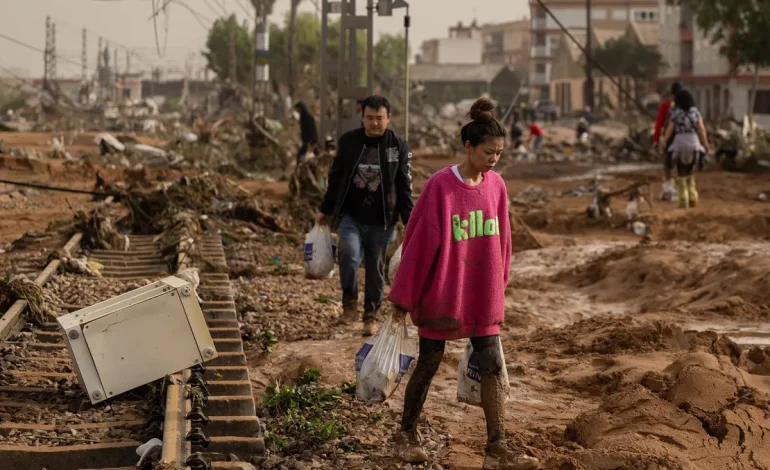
x=206, y=417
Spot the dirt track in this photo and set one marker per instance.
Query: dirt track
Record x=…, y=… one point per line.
x=606, y=340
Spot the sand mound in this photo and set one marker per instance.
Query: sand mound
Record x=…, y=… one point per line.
x=719, y=227
x=706, y=413
x=658, y=278
x=608, y=335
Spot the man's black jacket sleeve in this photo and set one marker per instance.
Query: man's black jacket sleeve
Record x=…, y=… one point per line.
x=404, y=203
x=334, y=180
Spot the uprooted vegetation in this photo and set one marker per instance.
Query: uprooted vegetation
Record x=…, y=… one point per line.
x=303, y=415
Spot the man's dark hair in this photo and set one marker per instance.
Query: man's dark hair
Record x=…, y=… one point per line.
x=375, y=102
x=684, y=100
x=676, y=88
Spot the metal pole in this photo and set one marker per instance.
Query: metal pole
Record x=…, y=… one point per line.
x=46, y=53
x=52, y=59
x=322, y=66
x=407, y=21
x=84, y=57
x=370, y=49
x=589, y=88
x=255, y=80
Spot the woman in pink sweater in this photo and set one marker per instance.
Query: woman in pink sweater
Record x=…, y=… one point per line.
x=454, y=268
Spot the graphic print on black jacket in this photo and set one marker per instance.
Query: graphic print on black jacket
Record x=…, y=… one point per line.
x=396, y=167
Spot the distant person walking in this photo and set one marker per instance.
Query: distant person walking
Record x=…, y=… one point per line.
x=688, y=148
x=307, y=129
x=660, y=125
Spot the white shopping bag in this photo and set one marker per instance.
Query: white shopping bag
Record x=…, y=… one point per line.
x=383, y=360
x=469, y=377
x=395, y=261
x=320, y=253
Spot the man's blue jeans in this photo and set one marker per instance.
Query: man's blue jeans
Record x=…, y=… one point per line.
x=367, y=243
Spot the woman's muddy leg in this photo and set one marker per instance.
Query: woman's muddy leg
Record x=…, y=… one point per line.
x=492, y=387
x=428, y=361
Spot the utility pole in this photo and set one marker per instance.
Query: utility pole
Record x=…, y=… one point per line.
x=407, y=25
x=589, y=86
x=261, y=57
x=115, y=81
x=128, y=62
x=52, y=59
x=47, y=52
x=84, y=58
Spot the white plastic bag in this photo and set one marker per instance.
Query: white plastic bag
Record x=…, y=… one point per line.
x=395, y=261
x=669, y=192
x=469, y=377
x=383, y=360
x=320, y=253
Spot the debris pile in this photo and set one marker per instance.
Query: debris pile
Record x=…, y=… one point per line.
x=19, y=287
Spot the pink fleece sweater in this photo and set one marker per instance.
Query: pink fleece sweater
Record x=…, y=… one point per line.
x=456, y=258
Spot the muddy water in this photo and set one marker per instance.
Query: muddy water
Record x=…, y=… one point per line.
x=606, y=172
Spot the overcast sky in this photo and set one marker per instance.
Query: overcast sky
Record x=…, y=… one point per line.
x=125, y=22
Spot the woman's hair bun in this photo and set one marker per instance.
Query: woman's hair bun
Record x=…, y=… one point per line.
x=482, y=110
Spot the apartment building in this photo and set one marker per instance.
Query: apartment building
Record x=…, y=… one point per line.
x=506, y=43
x=719, y=91
x=546, y=33
x=463, y=46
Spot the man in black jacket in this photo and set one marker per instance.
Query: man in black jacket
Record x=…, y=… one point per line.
x=369, y=189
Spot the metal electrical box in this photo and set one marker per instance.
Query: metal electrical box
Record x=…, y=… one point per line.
x=137, y=338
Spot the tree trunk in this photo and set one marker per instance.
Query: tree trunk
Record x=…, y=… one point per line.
x=292, y=27
x=754, y=83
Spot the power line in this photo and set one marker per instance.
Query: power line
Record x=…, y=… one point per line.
x=155, y=29
x=214, y=10
x=75, y=27
x=245, y=10
x=593, y=61
x=34, y=48
x=16, y=76
x=196, y=14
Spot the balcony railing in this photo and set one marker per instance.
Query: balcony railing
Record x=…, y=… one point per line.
x=538, y=23
x=540, y=51
x=539, y=78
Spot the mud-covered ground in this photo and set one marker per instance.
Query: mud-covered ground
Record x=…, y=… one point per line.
x=622, y=352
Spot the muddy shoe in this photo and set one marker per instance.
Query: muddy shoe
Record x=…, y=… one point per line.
x=349, y=313
x=370, y=327
x=409, y=447
x=501, y=457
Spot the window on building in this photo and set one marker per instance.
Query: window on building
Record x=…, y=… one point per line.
x=645, y=16
x=538, y=12
x=762, y=103
x=540, y=39
x=687, y=55
x=126, y=92
x=540, y=68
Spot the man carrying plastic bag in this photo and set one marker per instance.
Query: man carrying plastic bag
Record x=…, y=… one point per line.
x=383, y=360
